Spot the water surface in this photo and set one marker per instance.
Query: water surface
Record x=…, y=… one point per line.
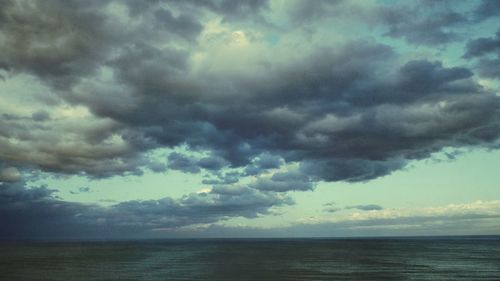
x=444, y=258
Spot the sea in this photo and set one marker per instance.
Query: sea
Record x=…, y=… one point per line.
x=396, y=258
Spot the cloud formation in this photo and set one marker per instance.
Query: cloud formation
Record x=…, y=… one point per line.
x=317, y=109
x=369, y=207
x=426, y=23
x=474, y=218
x=482, y=49
x=487, y=9
x=9, y=174
x=266, y=98
x=37, y=212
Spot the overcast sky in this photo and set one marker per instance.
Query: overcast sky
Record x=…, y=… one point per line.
x=246, y=118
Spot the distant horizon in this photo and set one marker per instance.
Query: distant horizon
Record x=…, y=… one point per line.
x=77, y=240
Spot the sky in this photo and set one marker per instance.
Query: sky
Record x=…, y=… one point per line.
x=249, y=118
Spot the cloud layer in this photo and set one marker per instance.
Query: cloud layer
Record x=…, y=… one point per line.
x=37, y=212
x=265, y=99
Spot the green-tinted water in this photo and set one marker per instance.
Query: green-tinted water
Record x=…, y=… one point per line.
x=261, y=259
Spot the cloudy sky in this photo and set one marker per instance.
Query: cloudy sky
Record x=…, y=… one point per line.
x=244, y=118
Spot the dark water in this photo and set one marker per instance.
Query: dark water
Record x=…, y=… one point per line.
x=473, y=258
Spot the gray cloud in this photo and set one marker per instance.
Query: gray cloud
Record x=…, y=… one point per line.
x=335, y=111
x=37, y=213
x=467, y=224
x=212, y=163
x=58, y=41
x=421, y=22
x=232, y=10
x=319, y=109
x=476, y=218
x=350, y=170
x=84, y=189
x=189, y=164
x=487, y=51
x=184, y=25
x=284, y=181
x=352, y=105
x=420, y=27
x=488, y=68
x=262, y=163
x=69, y=146
x=177, y=161
x=9, y=174
x=332, y=209
x=223, y=178
x=40, y=116
x=341, y=112
x=348, y=112
x=487, y=9
x=369, y=207
x=483, y=46
x=301, y=12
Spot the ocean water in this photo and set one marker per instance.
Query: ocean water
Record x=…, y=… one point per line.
x=444, y=258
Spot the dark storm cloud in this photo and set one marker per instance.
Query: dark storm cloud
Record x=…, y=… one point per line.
x=303, y=12
x=230, y=10
x=59, y=41
x=40, y=116
x=223, y=178
x=284, y=181
x=350, y=112
x=421, y=22
x=483, y=46
x=268, y=162
x=489, y=68
x=417, y=22
x=9, y=174
x=487, y=52
x=189, y=10
x=334, y=112
x=350, y=170
x=407, y=84
x=37, y=212
x=421, y=27
x=212, y=163
x=177, y=161
x=263, y=163
x=183, y=25
x=487, y=9
x=369, y=207
x=293, y=180
x=238, y=7
x=63, y=42
x=68, y=147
